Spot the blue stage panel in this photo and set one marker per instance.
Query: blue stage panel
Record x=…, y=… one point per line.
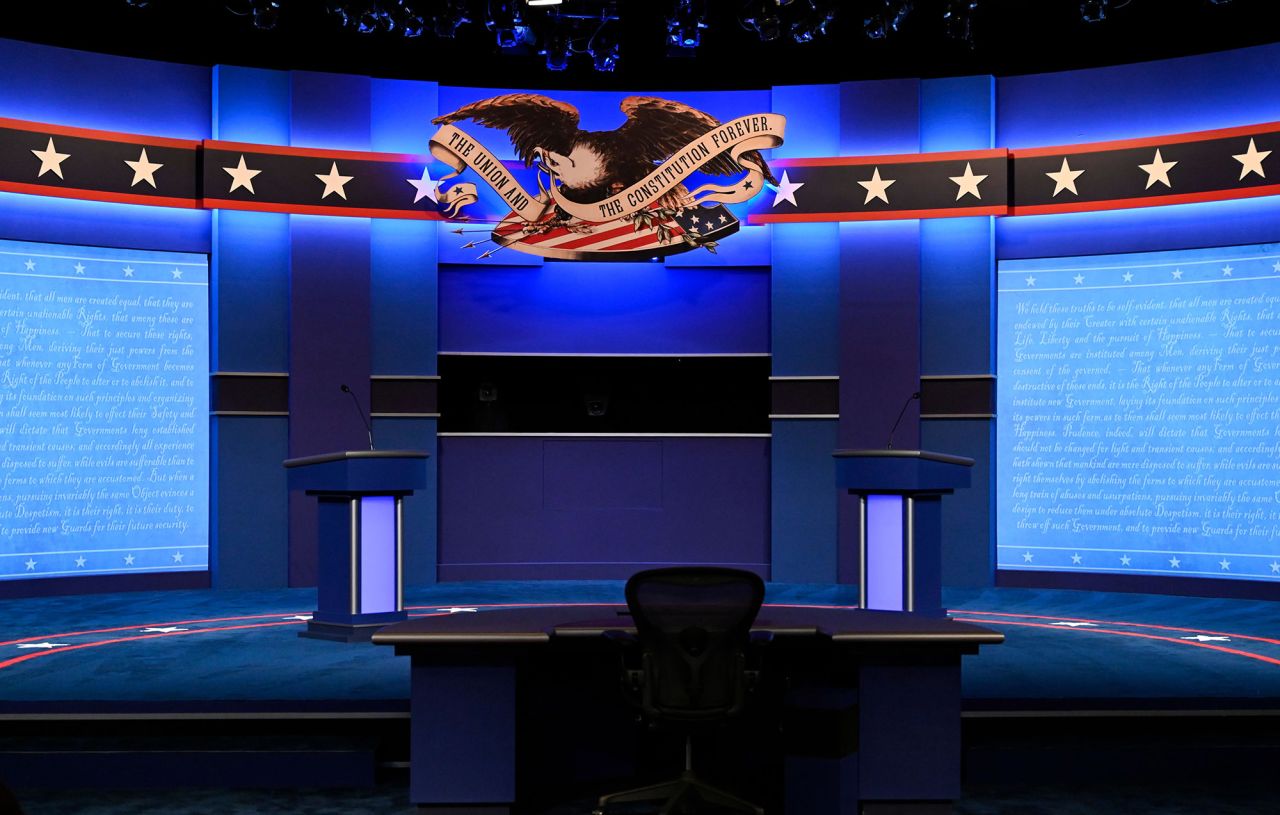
x=103, y=411
x=1139, y=418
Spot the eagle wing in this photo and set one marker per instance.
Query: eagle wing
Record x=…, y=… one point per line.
x=657, y=128
x=531, y=121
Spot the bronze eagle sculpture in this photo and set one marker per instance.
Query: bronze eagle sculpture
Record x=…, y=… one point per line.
x=594, y=165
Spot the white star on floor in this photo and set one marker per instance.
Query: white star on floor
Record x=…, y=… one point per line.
x=1251, y=161
x=241, y=176
x=968, y=182
x=1027, y=557
x=1275, y=267
x=128, y=271
x=50, y=160
x=1205, y=638
x=1031, y=281
x=454, y=610
x=177, y=557
x=1225, y=564
x=144, y=170
x=1065, y=179
x=786, y=190
x=79, y=267
x=1275, y=567
x=877, y=187
x=1128, y=277
x=1226, y=271
x=334, y=183
x=30, y=564
x=1125, y=560
x=1174, y=562
x=303, y=617
x=46, y=645
x=1158, y=170
x=426, y=186
x=1177, y=274
x=30, y=264
x=1079, y=279
x=169, y=629
x=1065, y=624
x=177, y=274
x=128, y=560
x=1076, y=559
x=80, y=561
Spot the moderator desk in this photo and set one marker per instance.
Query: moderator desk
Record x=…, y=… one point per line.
x=870, y=701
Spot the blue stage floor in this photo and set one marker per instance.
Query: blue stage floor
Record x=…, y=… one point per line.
x=192, y=651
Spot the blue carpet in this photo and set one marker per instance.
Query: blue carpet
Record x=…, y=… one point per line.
x=240, y=649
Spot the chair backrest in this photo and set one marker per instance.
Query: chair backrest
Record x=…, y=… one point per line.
x=694, y=625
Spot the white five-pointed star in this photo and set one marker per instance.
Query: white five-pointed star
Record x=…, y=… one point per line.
x=334, y=183
x=1158, y=170
x=1205, y=638
x=45, y=645
x=426, y=186
x=1031, y=281
x=50, y=160
x=1076, y=558
x=1275, y=567
x=1226, y=271
x=31, y=565
x=1251, y=161
x=144, y=170
x=128, y=560
x=303, y=617
x=177, y=274
x=177, y=557
x=1027, y=557
x=786, y=190
x=1079, y=279
x=876, y=187
x=168, y=629
x=1177, y=274
x=1128, y=277
x=128, y=271
x=30, y=264
x=79, y=267
x=1275, y=267
x=1225, y=564
x=455, y=610
x=968, y=182
x=1066, y=624
x=80, y=561
x=1174, y=562
x=1065, y=179
x=241, y=176
x=1124, y=560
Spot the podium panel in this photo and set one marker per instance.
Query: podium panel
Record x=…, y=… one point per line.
x=900, y=523
x=360, y=547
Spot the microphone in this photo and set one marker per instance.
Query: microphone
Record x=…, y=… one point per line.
x=898, y=421
x=368, y=427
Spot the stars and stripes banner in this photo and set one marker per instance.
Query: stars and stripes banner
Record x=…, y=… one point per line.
x=56, y=160
x=71, y=162
x=867, y=188
x=1211, y=165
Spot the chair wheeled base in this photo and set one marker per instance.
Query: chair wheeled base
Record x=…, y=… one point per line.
x=677, y=792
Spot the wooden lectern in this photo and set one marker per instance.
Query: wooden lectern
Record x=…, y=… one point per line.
x=361, y=556
x=900, y=523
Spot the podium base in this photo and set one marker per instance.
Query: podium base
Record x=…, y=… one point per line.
x=344, y=632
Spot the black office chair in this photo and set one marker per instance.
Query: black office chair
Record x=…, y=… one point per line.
x=693, y=631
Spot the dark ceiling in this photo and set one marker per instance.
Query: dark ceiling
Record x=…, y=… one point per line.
x=1005, y=37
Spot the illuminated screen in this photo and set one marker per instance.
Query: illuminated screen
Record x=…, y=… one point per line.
x=1139, y=414
x=104, y=433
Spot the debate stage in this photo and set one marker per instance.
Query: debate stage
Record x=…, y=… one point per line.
x=215, y=687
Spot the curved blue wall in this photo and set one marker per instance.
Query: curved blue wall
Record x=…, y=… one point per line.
x=880, y=305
